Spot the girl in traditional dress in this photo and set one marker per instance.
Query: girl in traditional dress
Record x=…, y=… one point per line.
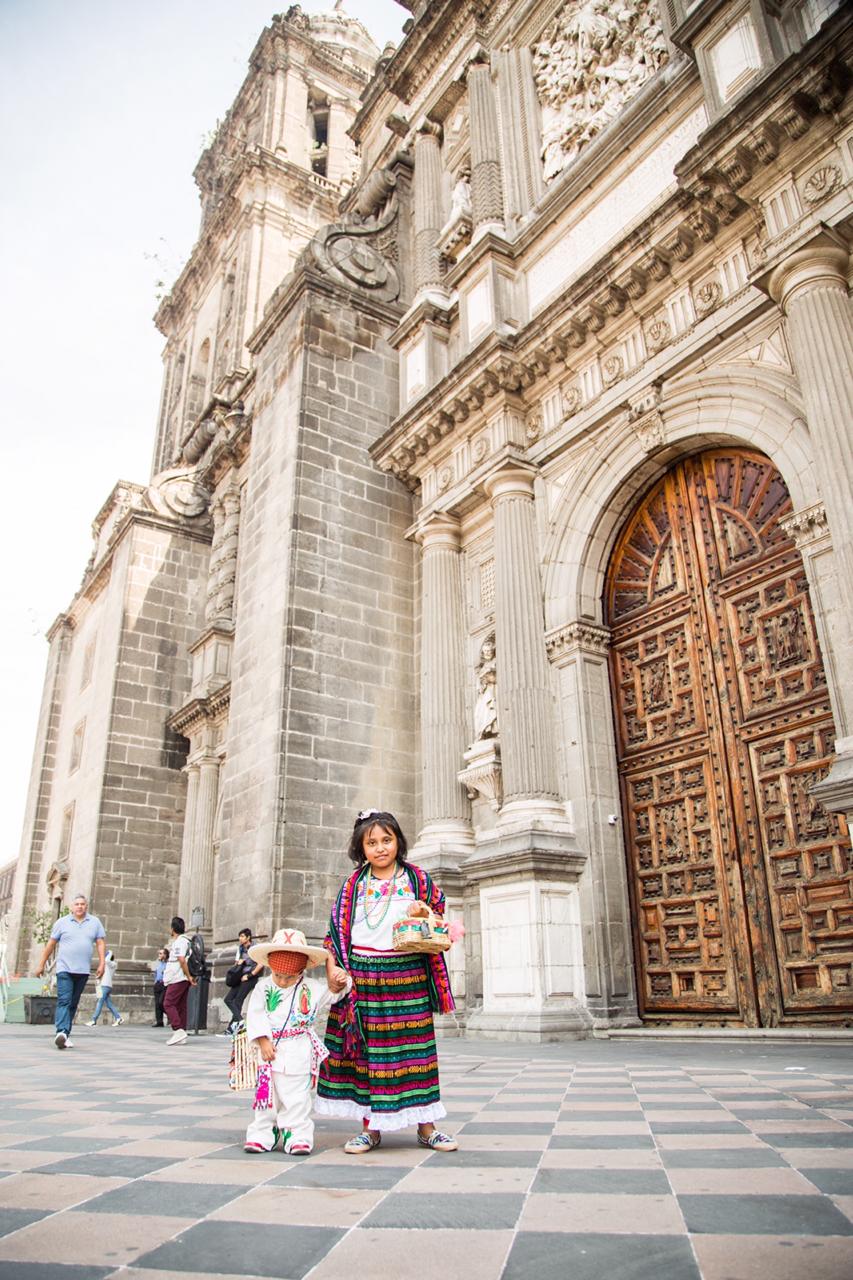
x=382, y=1067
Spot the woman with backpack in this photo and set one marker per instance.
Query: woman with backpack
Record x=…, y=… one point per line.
x=177, y=979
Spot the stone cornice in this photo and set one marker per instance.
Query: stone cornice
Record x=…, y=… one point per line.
x=807, y=525
x=199, y=711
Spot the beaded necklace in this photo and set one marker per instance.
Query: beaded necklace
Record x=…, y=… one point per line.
x=385, y=904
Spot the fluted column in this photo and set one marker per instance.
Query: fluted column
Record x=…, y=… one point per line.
x=428, y=212
x=185, y=887
x=201, y=883
x=486, y=182
x=446, y=810
x=811, y=288
x=524, y=695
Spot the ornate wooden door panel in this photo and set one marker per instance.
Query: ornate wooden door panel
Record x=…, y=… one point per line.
x=741, y=883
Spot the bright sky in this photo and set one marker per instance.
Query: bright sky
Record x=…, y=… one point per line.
x=104, y=107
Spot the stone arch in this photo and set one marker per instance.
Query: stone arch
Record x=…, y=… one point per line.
x=698, y=412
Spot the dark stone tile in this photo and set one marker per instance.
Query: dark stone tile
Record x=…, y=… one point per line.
x=596, y=1095
x=497, y=1127
x=52, y=1271
x=764, y=1215
x=109, y=1166
x=63, y=1142
x=697, y=1126
x=509, y=1104
x=349, y=1177
x=746, y=1095
x=639, y=1182
x=833, y=1182
x=749, y=1114
x=723, y=1158
x=197, y=1133
x=166, y=1199
x=258, y=1249
x=14, y=1219
x=484, y=1159
x=601, y=1142
x=438, y=1210
x=233, y=1152
x=835, y=1139
x=551, y=1255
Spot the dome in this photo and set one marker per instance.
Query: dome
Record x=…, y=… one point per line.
x=347, y=36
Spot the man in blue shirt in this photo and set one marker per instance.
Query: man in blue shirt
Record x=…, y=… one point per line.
x=74, y=935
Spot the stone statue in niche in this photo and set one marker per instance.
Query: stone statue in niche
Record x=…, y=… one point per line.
x=460, y=202
x=486, y=707
x=592, y=59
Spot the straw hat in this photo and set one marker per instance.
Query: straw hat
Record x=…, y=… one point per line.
x=287, y=940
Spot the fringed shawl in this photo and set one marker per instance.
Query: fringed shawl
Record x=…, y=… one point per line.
x=338, y=941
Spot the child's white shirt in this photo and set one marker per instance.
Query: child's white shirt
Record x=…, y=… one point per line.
x=294, y=1008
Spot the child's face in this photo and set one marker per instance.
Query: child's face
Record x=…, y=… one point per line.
x=287, y=967
x=380, y=848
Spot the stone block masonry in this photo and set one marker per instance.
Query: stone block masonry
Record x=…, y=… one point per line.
x=323, y=698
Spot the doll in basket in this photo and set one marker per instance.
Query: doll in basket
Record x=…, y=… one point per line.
x=280, y=1026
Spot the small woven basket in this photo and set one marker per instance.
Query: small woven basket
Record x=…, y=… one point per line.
x=422, y=933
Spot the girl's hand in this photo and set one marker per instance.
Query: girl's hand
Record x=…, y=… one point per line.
x=337, y=979
x=266, y=1048
x=416, y=909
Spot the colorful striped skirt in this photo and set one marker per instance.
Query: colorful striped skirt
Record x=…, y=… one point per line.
x=393, y=1082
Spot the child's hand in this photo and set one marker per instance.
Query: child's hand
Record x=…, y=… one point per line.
x=337, y=979
x=266, y=1048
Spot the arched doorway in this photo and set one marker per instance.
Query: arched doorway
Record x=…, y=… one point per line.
x=741, y=884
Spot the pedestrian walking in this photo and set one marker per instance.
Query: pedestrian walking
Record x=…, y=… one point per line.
x=382, y=1067
x=177, y=980
x=73, y=937
x=280, y=1023
x=241, y=979
x=104, y=991
x=159, y=985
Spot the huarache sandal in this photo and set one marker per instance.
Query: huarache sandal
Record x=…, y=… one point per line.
x=437, y=1141
x=254, y=1148
x=299, y=1149
x=362, y=1143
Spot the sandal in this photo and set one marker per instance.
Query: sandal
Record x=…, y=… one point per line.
x=437, y=1141
x=362, y=1143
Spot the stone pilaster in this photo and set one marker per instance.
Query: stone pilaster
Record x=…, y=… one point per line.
x=201, y=884
x=187, y=847
x=520, y=130
x=446, y=810
x=428, y=213
x=811, y=288
x=487, y=200
x=525, y=700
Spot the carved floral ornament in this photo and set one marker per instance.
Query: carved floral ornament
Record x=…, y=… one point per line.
x=592, y=60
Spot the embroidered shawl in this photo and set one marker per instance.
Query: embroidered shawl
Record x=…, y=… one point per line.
x=338, y=941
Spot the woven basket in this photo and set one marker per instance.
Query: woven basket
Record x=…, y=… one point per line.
x=422, y=933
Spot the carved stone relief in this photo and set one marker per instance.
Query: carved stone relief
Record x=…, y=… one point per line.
x=592, y=60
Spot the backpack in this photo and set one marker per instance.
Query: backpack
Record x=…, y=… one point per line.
x=195, y=955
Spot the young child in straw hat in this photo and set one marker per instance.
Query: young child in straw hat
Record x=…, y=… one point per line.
x=280, y=1020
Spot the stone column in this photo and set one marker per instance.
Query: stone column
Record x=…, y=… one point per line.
x=428, y=212
x=520, y=129
x=486, y=183
x=811, y=288
x=201, y=882
x=525, y=699
x=185, y=884
x=446, y=810
x=226, y=569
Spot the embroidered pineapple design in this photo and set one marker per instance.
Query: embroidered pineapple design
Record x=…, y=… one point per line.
x=273, y=999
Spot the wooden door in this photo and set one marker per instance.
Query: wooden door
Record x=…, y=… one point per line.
x=741, y=884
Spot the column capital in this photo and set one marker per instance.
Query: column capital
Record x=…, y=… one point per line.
x=510, y=482
x=823, y=261
x=439, y=530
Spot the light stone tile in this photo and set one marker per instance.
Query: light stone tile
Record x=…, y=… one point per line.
x=791, y=1257
x=53, y=1190
x=770, y=1182
x=580, y=1158
x=246, y=1172
x=180, y=1149
x=845, y=1204
x=434, y=1255
x=308, y=1206
x=90, y=1239
x=818, y=1157
x=622, y=1214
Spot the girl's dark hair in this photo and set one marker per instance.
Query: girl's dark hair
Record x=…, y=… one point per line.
x=375, y=818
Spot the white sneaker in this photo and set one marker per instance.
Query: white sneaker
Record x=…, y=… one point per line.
x=178, y=1037
x=60, y=1039
x=69, y=1043
x=118, y=1022
x=91, y=1024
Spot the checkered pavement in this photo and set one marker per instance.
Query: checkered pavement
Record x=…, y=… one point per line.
x=588, y=1161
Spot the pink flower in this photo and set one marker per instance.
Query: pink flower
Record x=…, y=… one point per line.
x=456, y=930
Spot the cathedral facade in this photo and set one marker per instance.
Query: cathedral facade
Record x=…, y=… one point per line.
x=501, y=480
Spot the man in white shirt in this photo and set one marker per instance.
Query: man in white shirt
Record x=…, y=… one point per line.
x=177, y=980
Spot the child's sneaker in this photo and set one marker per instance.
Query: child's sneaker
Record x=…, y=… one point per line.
x=300, y=1149
x=254, y=1148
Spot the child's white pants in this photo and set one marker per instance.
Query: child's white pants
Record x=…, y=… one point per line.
x=292, y=1097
